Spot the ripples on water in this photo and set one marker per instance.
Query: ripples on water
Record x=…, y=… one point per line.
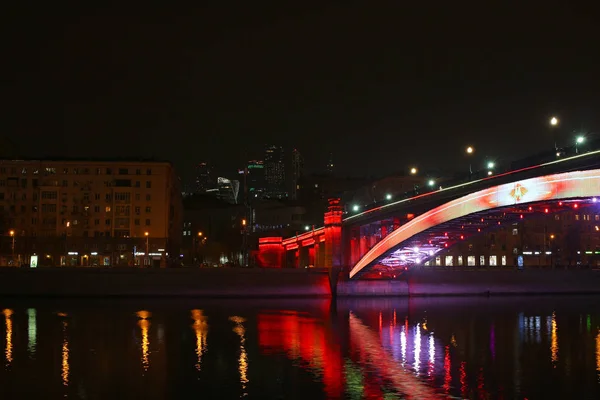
x=511, y=348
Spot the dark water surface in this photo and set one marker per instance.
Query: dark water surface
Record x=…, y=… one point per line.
x=479, y=348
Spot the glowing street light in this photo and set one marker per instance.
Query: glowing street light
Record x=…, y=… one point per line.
x=388, y=196
x=491, y=165
x=431, y=183
x=490, y=173
x=470, y=150
x=553, y=121
x=12, y=234
x=147, y=234
x=307, y=228
x=413, y=171
x=355, y=208
x=199, y=233
x=580, y=139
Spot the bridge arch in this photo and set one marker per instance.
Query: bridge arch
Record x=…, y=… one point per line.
x=556, y=187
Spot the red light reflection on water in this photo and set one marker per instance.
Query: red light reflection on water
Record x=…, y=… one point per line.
x=447, y=369
x=464, y=388
x=303, y=337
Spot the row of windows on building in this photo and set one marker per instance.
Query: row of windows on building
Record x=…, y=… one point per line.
x=471, y=261
x=118, y=222
x=49, y=195
x=22, y=183
x=72, y=171
x=52, y=208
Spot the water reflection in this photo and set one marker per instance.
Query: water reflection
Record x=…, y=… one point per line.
x=369, y=351
x=31, y=332
x=8, y=352
x=144, y=325
x=65, y=356
x=243, y=360
x=554, y=341
x=200, y=327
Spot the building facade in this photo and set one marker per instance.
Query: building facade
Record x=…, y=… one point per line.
x=70, y=212
x=275, y=172
x=297, y=173
x=566, y=239
x=204, y=179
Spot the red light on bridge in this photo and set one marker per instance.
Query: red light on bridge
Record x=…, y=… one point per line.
x=530, y=208
x=498, y=222
x=546, y=211
x=575, y=205
x=445, y=244
x=481, y=219
x=560, y=203
x=478, y=229
x=446, y=234
x=461, y=237
x=521, y=216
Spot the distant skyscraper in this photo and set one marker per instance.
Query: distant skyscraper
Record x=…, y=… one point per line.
x=256, y=179
x=204, y=178
x=274, y=168
x=228, y=190
x=297, y=172
x=329, y=166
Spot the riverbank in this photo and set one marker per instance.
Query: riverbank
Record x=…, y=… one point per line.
x=282, y=283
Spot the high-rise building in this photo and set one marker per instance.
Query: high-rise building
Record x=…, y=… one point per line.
x=255, y=179
x=204, y=178
x=228, y=190
x=297, y=172
x=83, y=212
x=274, y=167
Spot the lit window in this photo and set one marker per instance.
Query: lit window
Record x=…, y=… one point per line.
x=438, y=261
x=107, y=209
x=597, y=217
x=471, y=261
x=493, y=261
x=448, y=261
x=557, y=217
x=515, y=231
x=482, y=260
x=460, y=260
x=586, y=217
x=503, y=260
x=577, y=217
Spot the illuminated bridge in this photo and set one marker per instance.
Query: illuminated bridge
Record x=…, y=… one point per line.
x=386, y=239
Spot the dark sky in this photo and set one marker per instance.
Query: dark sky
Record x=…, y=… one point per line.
x=380, y=85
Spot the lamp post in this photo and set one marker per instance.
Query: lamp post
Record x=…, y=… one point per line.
x=579, y=140
x=553, y=125
x=12, y=234
x=147, y=234
x=470, y=150
x=194, y=249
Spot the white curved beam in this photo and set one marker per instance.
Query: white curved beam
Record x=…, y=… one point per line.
x=544, y=188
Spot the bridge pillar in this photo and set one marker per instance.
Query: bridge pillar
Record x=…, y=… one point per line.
x=372, y=236
x=384, y=230
x=333, y=242
x=303, y=256
x=363, y=244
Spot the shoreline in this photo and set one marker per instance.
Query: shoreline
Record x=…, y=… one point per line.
x=258, y=283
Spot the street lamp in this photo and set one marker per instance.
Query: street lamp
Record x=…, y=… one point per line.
x=388, y=196
x=307, y=228
x=553, y=121
x=413, y=171
x=12, y=234
x=147, y=234
x=491, y=165
x=579, y=140
x=470, y=150
x=431, y=183
x=355, y=208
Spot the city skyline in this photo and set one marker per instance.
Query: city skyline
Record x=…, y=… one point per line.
x=220, y=84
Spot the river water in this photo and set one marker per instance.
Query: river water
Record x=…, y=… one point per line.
x=479, y=348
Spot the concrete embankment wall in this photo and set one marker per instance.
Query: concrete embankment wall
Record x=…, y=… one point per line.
x=217, y=282
x=476, y=282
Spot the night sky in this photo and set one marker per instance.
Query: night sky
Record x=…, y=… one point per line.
x=382, y=87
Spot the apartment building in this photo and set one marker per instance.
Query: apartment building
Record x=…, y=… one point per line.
x=89, y=212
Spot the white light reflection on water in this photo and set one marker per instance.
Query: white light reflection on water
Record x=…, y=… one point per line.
x=200, y=327
x=403, y=345
x=431, y=369
x=8, y=351
x=243, y=360
x=31, y=332
x=417, y=365
x=554, y=341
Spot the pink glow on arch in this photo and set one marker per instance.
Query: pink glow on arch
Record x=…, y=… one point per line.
x=552, y=187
